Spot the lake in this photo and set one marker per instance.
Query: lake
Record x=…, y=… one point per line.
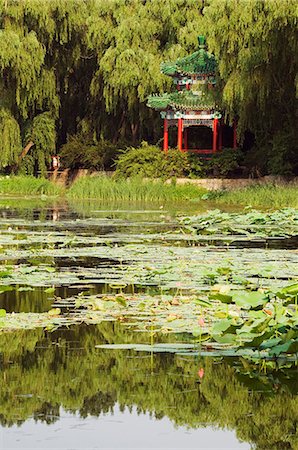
x=89, y=375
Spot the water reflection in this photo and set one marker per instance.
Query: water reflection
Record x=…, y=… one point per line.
x=123, y=430
x=60, y=381
x=43, y=372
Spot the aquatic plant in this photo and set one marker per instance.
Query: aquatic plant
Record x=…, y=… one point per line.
x=28, y=185
x=258, y=324
x=135, y=190
x=267, y=196
x=250, y=223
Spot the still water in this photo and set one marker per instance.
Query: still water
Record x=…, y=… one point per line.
x=58, y=391
x=122, y=429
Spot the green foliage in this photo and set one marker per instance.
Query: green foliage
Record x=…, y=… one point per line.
x=98, y=61
x=267, y=196
x=197, y=166
x=133, y=189
x=146, y=161
x=282, y=223
x=27, y=185
x=149, y=161
x=84, y=151
x=10, y=138
x=256, y=45
x=225, y=163
x=42, y=132
x=175, y=164
x=282, y=154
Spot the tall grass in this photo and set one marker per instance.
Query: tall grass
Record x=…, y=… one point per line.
x=263, y=196
x=135, y=190
x=28, y=185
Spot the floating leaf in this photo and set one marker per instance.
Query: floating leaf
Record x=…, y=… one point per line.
x=248, y=300
x=221, y=326
x=270, y=343
x=54, y=312
x=50, y=290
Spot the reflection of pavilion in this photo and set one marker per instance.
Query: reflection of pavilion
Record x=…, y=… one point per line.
x=194, y=103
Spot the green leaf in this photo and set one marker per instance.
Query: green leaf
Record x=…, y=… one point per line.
x=225, y=339
x=270, y=343
x=291, y=290
x=282, y=348
x=221, y=297
x=50, y=290
x=6, y=289
x=248, y=300
x=221, y=326
x=121, y=300
x=5, y=274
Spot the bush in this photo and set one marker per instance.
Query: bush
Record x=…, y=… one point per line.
x=149, y=161
x=282, y=155
x=197, y=166
x=84, y=152
x=225, y=163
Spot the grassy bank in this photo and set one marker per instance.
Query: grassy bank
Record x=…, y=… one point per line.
x=108, y=189
x=28, y=185
x=268, y=196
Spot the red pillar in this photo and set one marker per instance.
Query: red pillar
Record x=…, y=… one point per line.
x=215, y=124
x=185, y=144
x=165, y=135
x=179, y=140
x=234, y=134
x=220, y=135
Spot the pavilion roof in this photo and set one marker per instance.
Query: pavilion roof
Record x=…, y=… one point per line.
x=182, y=100
x=200, y=62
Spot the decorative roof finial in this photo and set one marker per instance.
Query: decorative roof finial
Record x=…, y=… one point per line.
x=202, y=42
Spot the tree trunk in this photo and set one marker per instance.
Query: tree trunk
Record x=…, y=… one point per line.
x=134, y=132
x=25, y=151
x=120, y=129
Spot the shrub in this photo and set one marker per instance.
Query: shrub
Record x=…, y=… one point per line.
x=149, y=161
x=84, y=152
x=282, y=155
x=225, y=163
x=197, y=166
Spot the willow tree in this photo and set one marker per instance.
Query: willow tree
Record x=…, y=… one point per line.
x=256, y=45
x=39, y=48
x=10, y=137
x=132, y=38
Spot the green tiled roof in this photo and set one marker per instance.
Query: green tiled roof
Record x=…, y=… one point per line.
x=199, y=63
x=182, y=100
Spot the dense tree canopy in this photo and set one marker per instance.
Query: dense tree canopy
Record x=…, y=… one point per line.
x=87, y=66
x=256, y=45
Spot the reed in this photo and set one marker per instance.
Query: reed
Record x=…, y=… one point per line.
x=263, y=196
x=28, y=185
x=134, y=190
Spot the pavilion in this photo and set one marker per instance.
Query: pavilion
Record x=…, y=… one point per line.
x=193, y=103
